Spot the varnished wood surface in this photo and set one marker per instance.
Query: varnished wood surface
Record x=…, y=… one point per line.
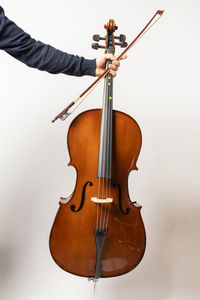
x=72, y=243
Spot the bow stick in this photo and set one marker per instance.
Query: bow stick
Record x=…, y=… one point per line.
x=64, y=113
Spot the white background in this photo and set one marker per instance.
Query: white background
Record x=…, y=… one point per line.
x=159, y=86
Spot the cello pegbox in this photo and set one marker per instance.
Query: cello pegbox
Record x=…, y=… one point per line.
x=109, y=38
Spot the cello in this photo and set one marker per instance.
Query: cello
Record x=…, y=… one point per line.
x=98, y=232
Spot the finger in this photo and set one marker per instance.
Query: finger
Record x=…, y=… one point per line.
x=113, y=67
x=109, y=56
x=116, y=63
x=124, y=56
x=114, y=73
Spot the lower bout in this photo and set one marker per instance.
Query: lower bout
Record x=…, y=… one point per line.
x=119, y=256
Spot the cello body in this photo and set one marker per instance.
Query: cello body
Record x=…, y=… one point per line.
x=73, y=243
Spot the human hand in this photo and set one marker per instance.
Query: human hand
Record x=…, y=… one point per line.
x=101, y=64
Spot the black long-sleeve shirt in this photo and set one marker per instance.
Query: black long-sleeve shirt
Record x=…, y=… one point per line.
x=38, y=55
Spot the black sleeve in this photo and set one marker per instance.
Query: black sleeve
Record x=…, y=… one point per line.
x=35, y=54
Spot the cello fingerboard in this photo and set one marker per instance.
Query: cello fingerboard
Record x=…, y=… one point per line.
x=105, y=145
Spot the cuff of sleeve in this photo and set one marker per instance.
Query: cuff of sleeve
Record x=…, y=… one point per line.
x=89, y=67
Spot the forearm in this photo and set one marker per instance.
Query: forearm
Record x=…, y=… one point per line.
x=35, y=54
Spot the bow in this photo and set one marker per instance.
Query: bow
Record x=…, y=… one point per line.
x=64, y=113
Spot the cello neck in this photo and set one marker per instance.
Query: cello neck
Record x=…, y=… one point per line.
x=105, y=144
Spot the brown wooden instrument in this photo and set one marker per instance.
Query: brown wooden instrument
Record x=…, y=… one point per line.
x=98, y=231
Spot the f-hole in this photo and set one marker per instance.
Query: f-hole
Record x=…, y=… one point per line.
x=120, y=200
x=73, y=208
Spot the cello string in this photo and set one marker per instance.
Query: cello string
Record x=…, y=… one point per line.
x=107, y=149
x=105, y=132
x=110, y=156
x=102, y=166
x=109, y=181
x=97, y=224
x=108, y=204
x=108, y=173
x=105, y=204
x=99, y=180
x=107, y=215
x=110, y=191
x=101, y=205
x=110, y=196
x=105, y=152
x=103, y=185
x=108, y=100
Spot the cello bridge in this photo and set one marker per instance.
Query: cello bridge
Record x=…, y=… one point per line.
x=98, y=200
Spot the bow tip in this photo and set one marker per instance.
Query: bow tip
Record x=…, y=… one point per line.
x=160, y=12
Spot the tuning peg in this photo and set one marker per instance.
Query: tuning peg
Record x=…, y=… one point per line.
x=97, y=38
x=121, y=38
x=96, y=46
x=123, y=45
